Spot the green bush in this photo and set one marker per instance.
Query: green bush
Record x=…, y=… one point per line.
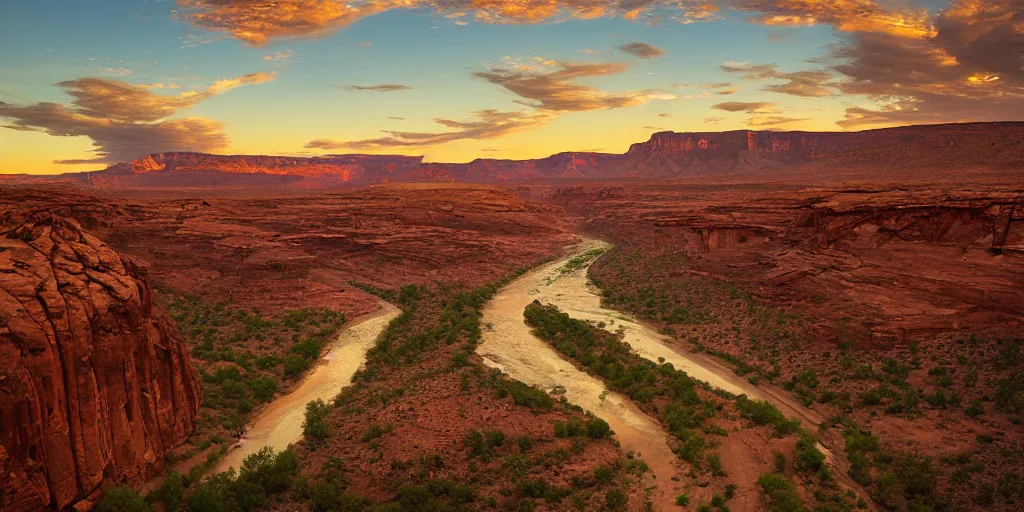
x=122, y=499
x=314, y=428
x=615, y=499
x=598, y=429
x=715, y=465
x=682, y=499
x=807, y=457
x=780, y=494
x=171, y=491
x=272, y=472
x=765, y=413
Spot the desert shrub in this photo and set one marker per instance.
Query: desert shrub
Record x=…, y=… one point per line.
x=294, y=365
x=765, y=413
x=477, y=444
x=715, y=465
x=524, y=395
x=314, y=428
x=682, y=500
x=807, y=457
x=1011, y=485
x=604, y=474
x=615, y=499
x=272, y=472
x=263, y=388
x=1010, y=394
x=327, y=497
x=524, y=443
x=171, y=491
x=495, y=438
x=598, y=428
x=974, y=409
x=780, y=494
x=372, y=432
x=122, y=499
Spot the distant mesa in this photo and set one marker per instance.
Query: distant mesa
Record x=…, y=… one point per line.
x=911, y=151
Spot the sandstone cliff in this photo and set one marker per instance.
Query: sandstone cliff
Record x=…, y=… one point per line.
x=95, y=383
x=947, y=152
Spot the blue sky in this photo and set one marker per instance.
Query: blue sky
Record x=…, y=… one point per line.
x=89, y=83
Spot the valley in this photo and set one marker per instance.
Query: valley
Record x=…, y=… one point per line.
x=723, y=337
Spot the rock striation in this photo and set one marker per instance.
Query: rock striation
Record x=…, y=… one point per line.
x=95, y=383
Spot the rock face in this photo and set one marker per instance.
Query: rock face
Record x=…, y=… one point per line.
x=95, y=383
x=910, y=152
x=886, y=153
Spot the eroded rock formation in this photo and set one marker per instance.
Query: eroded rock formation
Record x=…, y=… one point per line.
x=95, y=383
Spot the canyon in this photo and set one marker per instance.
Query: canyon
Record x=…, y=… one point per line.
x=865, y=283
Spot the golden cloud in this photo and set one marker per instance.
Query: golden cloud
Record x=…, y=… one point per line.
x=844, y=15
x=256, y=22
x=127, y=120
x=969, y=70
x=810, y=84
x=749, y=107
x=556, y=90
x=489, y=124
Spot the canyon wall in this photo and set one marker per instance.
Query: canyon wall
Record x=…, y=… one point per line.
x=95, y=383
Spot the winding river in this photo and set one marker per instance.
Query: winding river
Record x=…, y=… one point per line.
x=509, y=345
x=280, y=423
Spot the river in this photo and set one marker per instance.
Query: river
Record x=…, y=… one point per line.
x=509, y=345
x=279, y=424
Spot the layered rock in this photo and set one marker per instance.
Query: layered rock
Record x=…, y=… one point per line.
x=95, y=383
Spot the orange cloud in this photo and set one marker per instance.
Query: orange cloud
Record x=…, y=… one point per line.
x=126, y=120
x=489, y=124
x=556, y=90
x=763, y=107
x=969, y=70
x=844, y=15
x=256, y=22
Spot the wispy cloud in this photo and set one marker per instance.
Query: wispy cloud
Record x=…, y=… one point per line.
x=810, y=84
x=377, y=88
x=642, y=50
x=772, y=120
x=279, y=56
x=557, y=90
x=116, y=71
x=488, y=124
x=749, y=107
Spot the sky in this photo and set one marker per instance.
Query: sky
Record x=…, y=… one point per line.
x=88, y=83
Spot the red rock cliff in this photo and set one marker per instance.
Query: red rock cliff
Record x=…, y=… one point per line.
x=95, y=383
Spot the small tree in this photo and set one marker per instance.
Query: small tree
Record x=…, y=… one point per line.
x=122, y=499
x=315, y=428
x=171, y=491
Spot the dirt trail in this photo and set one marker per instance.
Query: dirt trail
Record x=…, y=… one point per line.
x=510, y=346
x=280, y=423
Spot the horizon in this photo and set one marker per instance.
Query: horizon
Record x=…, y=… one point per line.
x=424, y=161
x=456, y=82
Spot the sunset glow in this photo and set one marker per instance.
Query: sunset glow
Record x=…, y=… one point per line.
x=84, y=85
